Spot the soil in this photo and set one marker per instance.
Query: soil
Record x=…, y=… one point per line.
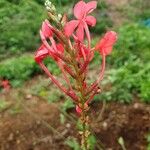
x=32, y=124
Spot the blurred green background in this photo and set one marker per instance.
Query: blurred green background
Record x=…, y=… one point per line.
x=128, y=68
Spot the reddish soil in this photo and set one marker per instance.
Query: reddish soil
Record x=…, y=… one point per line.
x=30, y=128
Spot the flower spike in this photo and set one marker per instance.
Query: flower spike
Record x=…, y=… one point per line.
x=68, y=44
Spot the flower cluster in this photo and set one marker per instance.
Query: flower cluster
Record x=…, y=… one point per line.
x=68, y=43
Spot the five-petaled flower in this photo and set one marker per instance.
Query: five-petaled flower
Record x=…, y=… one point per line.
x=81, y=11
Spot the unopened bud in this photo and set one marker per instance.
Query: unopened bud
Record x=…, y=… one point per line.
x=53, y=9
x=49, y=6
x=59, y=17
x=99, y=90
x=48, y=3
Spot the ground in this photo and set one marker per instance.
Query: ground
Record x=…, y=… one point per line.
x=31, y=123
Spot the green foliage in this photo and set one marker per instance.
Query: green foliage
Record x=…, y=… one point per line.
x=102, y=25
x=19, y=69
x=103, y=20
x=133, y=37
x=19, y=25
x=131, y=67
x=145, y=90
x=22, y=68
x=124, y=82
x=72, y=143
x=91, y=142
x=42, y=89
x=3, y=105
x=52, y=66
x=132, y=61
x=102, y=5
x=61, y=2
x=62, y=118
x=148, y=141
x=67, y=105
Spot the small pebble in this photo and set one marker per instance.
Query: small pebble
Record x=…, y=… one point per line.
x=136, y=106
x=105, y=125
x=28, y=96
x=68, y=125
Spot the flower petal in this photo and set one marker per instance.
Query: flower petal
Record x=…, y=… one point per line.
x=60, y=48
x=80, y=9
x=106, y=43
x=41, y=53
x=91, y=21
x=70, y=27
x=90, y=6
x=80, y=32
x=46, y=29
x=78, y=109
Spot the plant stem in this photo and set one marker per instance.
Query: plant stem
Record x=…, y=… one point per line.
x=79, y=79
x=85, y=132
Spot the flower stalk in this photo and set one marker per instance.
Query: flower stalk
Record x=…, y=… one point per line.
x=69, y=45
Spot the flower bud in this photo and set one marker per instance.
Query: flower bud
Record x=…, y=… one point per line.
x=49, y=6
x=59, y=17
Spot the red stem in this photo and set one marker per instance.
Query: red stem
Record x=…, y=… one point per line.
x=70, y=94
x=88, y=35
x=92, y=96
x=95, y=84
x=64, y=74
x=68, y=69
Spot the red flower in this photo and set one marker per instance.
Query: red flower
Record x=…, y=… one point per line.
x=46, y=30
x=46, y=49
x=5, y=84
x=105, y=45
x=81, y=10
x=83, y=52
x=41, y=53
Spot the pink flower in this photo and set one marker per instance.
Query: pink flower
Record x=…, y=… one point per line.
x=41, y=53
x=105, y=45
x=46, y=30
x=60, y=48
x=83, y=52
x=81, y=11
x=54, y=49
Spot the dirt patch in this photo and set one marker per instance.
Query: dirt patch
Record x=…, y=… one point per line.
x=32, y=128
x=35, y=127
x=131, y=122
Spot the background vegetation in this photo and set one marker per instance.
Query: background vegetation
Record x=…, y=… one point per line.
x=129, y=66
x=127, y=76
